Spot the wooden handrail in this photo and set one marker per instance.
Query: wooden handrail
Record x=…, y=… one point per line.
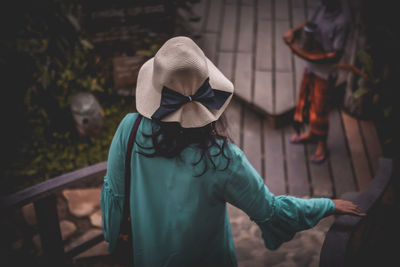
x=72, y=252
x=43, y=197
x=337, y=239
x=51, y=186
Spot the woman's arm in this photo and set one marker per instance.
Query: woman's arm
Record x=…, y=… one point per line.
x=317, y=57
x=279, y=217
x=112, y=194
x=338, y=42
x=352, y=68
x=289, y=36
x=314, y=56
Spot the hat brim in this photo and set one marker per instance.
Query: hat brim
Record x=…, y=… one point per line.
x=192, y=114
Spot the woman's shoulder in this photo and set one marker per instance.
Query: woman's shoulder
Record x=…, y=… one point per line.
x=126, y=124
x=232, y=150
x=239, y=163
x=130, y=119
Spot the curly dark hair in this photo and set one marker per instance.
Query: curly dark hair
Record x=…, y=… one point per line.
x=169, y=139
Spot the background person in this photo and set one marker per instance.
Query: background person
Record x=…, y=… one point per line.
x=328, y=26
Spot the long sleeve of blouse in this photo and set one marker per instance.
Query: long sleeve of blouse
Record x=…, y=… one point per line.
x=112, y=194
x=279, y=217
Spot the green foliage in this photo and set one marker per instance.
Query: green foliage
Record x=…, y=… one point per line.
x=370, y=85
x=48, y=157
x=151, y=50
x=379, y=82
x=366, y=61
x=58, y=61
x=380, y=25
x=362, y=90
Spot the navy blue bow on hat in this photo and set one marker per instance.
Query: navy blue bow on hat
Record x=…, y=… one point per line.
x=206, y=95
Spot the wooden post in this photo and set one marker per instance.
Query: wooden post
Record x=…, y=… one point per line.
x=49, y=230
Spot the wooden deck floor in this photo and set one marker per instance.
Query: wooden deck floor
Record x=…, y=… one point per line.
x=243, y=38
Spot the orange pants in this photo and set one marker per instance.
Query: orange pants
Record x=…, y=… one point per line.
x=313, y=104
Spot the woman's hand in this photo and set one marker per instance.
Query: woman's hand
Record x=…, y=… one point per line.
x=347, y=207
x=288, y=37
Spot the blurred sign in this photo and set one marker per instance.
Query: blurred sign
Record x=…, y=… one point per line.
x=123, y=19
x=125, y=72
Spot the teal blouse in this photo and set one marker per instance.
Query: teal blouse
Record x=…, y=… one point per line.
x=181, y=220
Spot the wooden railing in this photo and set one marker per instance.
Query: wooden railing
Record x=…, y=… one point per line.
x=335, y=252
x=43, y=196
x=369, y=240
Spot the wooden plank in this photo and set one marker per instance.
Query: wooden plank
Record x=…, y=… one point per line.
x=233, y=114
x=125, y=72
x=311, y=7
x=310, y=11
x=299, y=65
x=355, y=4
x=346, y=57
x=86, y=243
x=274, y=159
x=372, y=142
x=246, y=29
x=340, y=159
x=243, y=77
x=209, y=45
x=320, y=177
x=350, y=230
x=49, y=230
x=298, y=16
x=264, y=45
x=284, y=96
x=228, y=34
x=298, y=3
x=313, y=3
x=282, y=10
x=358, y=153
x=351, y=45
x=225, y=63
x=214, y=16
x=264, y=10
x=116, y=22
x=296, y=166
x=353, y=8
x=53, y=185
x=199, y=9
x=283, y=55
x=349, y=54
x=247, y=2
x=252, y=139
x=263, y=97
x=351, y=51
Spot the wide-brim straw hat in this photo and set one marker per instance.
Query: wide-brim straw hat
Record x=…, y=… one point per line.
x=183, y=67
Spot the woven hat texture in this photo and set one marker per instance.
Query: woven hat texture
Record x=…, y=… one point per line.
x=183, y=67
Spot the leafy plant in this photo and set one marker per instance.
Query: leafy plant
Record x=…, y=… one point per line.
x=374, y=79
x=53, y=60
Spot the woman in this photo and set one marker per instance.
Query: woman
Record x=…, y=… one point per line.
x=183, y=171
x=328, y=25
